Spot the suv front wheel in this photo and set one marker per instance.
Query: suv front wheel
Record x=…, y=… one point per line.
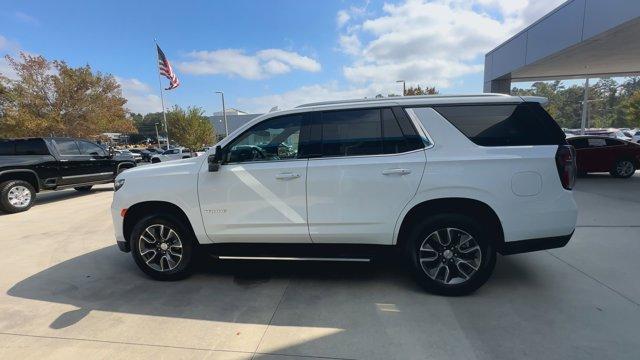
x=162, y=247
x=450, y=254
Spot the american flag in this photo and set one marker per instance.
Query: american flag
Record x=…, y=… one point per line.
x=166, y=70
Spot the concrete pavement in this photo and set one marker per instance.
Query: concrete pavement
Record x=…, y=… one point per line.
x=66, y=291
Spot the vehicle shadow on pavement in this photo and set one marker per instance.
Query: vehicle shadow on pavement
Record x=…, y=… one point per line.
x=108, y=280
x=48, y=197
x=54, y=196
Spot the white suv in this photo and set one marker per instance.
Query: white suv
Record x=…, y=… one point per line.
x=448, y=180
x=171, y=154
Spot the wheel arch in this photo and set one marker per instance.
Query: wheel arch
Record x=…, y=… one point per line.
x=458, y=205
x=140, y=210
x=27, y=175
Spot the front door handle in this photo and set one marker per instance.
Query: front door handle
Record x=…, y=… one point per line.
x=287, y=176
x=396, y=172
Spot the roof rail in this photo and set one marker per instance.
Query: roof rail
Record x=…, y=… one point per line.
x=394, y=98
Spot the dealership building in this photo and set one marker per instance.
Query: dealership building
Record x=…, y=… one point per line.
x=580, y=39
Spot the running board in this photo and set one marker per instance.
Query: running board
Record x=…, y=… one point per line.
x=278, y=258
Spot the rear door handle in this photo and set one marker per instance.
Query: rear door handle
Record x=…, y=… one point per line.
x=396, y=172
x=287, y=176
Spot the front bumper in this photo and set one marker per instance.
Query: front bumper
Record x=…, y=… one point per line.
x=529, y=245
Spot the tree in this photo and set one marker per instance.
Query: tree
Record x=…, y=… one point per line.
x=428, y=90
x=190, y=128
x=52, y=98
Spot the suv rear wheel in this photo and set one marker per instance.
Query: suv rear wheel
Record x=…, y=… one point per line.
x=451, y=254
x=162, y=247
x=16, y=196
x=83, y=188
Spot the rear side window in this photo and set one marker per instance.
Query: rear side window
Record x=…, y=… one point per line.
x=351, y=132
x=31, y=147
x=7, y=147
x=67, y=147
x=362, y=132
x=504, y=124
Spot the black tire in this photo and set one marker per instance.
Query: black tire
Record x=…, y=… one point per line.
x=83, y=188
x=155, y=161
x=185, y=263
x=6, y=191
x=453, y=260
x=624, y=168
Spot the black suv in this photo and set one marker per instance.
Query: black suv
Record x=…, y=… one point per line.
x=30, y=165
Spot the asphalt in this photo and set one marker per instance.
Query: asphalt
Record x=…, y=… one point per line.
x=67, y=292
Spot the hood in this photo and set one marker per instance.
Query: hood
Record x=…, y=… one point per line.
x=183, y=166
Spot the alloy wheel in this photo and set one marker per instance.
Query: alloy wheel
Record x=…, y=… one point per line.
x=625, y=168
x=19, y=196
x=450, y=256
x=160, y=247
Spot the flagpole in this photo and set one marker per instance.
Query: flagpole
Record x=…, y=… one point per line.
x=164, y=113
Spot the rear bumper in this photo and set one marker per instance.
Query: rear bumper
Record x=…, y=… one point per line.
x=529, y=245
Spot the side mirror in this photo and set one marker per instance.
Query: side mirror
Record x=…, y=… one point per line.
x=215, y=160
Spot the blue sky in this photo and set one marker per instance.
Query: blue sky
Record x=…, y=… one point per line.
x=269, y=53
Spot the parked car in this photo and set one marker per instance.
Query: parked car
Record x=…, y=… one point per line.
x=171, y=154
x=128, y=154
x=30, y=165
x=636, y=137
x=446, y=181
x=145, y=155
x=603, y=154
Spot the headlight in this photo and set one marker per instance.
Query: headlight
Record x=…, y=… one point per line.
x=118, y=184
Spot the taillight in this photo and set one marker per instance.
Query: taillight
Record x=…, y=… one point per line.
x=566, y=163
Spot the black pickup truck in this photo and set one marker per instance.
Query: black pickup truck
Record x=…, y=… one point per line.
x=30, y=165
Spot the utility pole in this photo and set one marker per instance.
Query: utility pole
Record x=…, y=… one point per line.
x=224, y=114
x=585, y=107
x=404, y=87
x=158, y=136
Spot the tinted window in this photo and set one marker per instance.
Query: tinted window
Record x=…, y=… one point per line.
x=611, y=142
x=7, y=147
x=270, y=140
x=67, y=147
x=351, y=132
x=504, y=125
x=31, y=147
x=87, y=148
x=580, y=143
x=596, y=142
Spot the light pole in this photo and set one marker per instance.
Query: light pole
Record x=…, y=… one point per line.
x=224, y=114
x=404, y=87
x=158, y=136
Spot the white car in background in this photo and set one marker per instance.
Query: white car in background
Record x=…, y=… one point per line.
x=636, y=136
x=172, y=154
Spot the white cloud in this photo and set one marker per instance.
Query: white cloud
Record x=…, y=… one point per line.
x=6, y=70
x=235, y=62
x=430, y=43
x=350, y=44
x=26, y=18
x=433, y=42
x=342, y=18
x=312, y=93
x=140, y=97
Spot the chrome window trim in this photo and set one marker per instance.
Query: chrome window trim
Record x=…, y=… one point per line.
x=418, y=124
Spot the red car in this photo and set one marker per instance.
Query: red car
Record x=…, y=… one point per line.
x=603, y=154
